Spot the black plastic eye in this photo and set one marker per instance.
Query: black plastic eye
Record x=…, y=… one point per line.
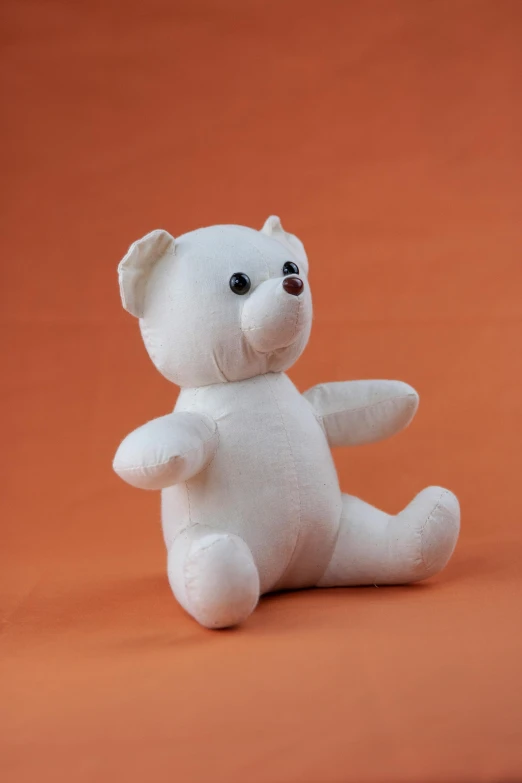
x=290, y=268
x=240, y=283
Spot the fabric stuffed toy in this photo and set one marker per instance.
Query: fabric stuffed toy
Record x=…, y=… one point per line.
x=250, y=497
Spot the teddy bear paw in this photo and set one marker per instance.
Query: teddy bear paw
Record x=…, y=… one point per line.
x=220, y=582
x=431, y=523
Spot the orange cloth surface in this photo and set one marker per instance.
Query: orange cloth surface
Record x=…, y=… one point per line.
x=388, y=136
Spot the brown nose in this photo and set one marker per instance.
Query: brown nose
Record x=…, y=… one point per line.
x=293, y=285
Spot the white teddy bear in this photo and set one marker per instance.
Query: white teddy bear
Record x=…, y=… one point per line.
x=250, y=496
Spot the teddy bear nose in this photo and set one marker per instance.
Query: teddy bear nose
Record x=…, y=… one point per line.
x=293, y=285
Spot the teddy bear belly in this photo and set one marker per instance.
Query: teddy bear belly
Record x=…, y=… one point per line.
x=272, y=482
x=288, y=513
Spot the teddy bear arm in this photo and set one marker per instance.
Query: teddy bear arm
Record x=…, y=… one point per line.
x=357, y=412
x=167, y=450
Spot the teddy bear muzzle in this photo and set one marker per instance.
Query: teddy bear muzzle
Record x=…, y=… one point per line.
x=276, y=314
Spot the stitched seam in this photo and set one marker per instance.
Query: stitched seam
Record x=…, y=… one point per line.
x=187, y=489
x=370, y=405
x=426, y=523
x=224, y=378
x=290, y=341
x=256, y=328
x=178, y=535
x=189, y=507
x=218, y=438
x=262, y=323
x=216, y=430
x=267, y=319
x=287, y=566
x=334, y=547
x=297, y=314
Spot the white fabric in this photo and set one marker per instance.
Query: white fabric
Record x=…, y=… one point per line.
x=213, y=576
x=356, y=412
x=167, y=451
x=135, y=268
x=192, y=320
x=251, y=501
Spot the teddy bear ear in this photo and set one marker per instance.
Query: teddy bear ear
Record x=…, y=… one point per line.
x=136, y=266
x=273, y=228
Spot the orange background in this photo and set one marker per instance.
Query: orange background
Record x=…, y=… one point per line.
x=387, y=135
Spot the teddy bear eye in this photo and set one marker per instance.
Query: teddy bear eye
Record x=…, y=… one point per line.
x=240, y=283
x=290, y=268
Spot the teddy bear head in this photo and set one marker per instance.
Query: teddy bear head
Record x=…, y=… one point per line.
x=219, y=304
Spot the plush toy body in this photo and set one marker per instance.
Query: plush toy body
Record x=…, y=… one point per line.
x=250, y=497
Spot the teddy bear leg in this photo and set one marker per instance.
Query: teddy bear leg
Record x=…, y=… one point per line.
x=213, y=576
x=378, y=548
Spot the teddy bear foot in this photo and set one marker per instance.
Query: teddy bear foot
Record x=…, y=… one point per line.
x=375, y=548
x=428, y=527
x=213, y=576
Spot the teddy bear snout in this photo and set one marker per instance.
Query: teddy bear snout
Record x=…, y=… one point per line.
x=293, y=285
x=271, y=319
